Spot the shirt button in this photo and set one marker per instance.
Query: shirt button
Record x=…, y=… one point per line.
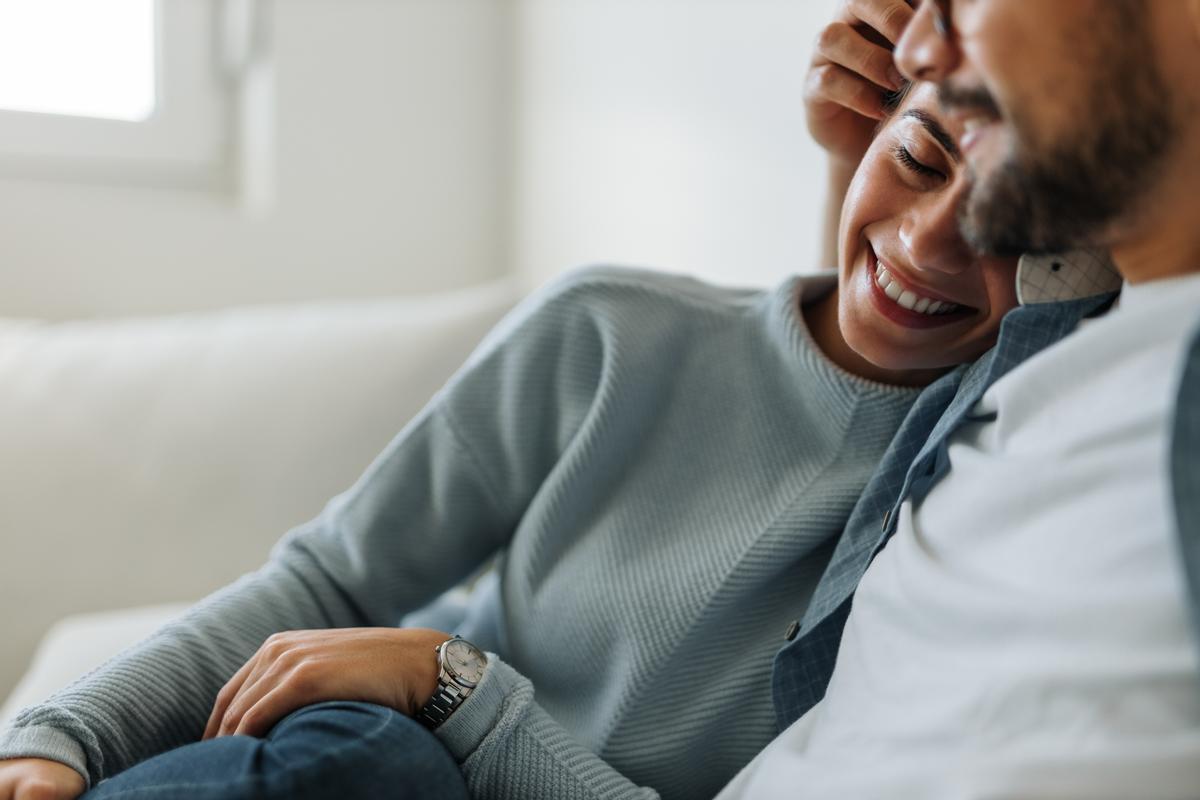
x=792, y=630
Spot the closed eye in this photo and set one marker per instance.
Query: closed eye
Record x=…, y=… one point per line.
x=906, y=158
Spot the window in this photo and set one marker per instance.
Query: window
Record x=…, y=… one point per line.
x=78, y=57
x=125, y=91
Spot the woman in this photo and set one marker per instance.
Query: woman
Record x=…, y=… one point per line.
x=661, y=466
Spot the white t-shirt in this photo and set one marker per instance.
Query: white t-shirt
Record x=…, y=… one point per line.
x=1025, y=633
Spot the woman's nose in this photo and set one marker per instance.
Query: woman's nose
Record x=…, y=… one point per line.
x=927, y=50
x=931, y=237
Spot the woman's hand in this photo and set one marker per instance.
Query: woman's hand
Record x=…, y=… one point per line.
x=393, y=667
x=852, y=68
x=38, y=779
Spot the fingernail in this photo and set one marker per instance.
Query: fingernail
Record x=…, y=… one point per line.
x=896, y=78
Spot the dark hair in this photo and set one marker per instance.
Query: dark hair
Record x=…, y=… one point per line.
x=893, y=100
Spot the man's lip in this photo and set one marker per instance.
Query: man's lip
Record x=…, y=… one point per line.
x=973, y=121
x=974, y=130
x=906, y=282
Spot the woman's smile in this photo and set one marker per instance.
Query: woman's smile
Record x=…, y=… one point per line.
x=908, y=305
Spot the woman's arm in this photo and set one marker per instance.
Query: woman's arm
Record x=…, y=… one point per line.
x=424, y=516
x=419, y=521
x=440, y=500
x=838, y=176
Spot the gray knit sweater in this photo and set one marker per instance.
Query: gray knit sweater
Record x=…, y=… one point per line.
x=664, y=467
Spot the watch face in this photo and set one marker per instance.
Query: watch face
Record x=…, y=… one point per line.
x=464, y=661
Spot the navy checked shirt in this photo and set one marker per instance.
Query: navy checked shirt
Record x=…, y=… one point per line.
x=1056, y=294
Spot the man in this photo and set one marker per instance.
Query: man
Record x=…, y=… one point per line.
x=1030, y=627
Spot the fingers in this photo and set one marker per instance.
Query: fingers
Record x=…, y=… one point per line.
x=290, y=684
x=43, y=790
x=841, y=44
x=834, y=87
x=273, y=706
x=253, y=690
x=271, y=650
x=228, y=692
x=38, y=779
x=888, y=17
x=273, y=665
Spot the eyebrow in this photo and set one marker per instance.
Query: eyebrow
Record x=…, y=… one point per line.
x=936, y=131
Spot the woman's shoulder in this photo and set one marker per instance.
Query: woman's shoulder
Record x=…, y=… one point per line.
x=587, y=314
x=603, y=285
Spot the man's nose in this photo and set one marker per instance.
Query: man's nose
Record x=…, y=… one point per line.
x=927, y=50
x=931, y=237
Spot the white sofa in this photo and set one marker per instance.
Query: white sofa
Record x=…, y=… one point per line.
x=150, y=461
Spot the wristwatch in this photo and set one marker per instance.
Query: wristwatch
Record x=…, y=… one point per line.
x=460, y=669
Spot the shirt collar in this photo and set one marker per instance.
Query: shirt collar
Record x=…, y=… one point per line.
x=1067, y=276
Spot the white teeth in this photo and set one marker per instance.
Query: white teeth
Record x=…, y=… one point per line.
x=906, y=298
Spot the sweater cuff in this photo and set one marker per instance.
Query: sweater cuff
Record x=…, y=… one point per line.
x=42, y=741
x=472, y=721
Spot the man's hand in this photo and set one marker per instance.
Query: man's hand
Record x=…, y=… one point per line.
x=393, y=667
x=852, y=68
x=38, y=779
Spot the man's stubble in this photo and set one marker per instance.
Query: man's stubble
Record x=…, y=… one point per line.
x=1070, y=192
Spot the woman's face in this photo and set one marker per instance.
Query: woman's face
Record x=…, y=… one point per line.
x=912, y=295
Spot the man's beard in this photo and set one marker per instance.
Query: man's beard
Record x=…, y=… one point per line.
x=1067, y=195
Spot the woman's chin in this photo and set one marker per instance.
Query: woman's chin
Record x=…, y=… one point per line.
x=892, y=361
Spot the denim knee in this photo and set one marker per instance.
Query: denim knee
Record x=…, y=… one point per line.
x=362, y=750
x=340, y=749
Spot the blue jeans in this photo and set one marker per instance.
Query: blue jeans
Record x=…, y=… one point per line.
x=340, y=749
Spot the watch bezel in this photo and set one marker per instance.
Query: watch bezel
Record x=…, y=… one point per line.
x=454, y=674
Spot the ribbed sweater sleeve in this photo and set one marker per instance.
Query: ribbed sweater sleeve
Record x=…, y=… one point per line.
x=511, y=749
x=424, y=516
x=417, y=523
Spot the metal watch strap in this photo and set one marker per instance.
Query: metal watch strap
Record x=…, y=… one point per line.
x=445, y=700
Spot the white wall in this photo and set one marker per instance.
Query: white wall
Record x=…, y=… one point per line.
x=666, y=133
x=430, y=144
x=391, y=156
